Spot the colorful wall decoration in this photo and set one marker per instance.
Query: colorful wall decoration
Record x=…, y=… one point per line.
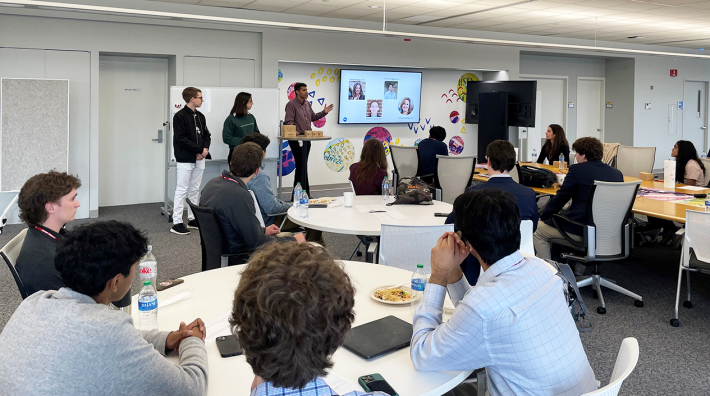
x=461, y=85
x=339, y=154
x=382, y=135
x=288, y=164
x=456, y=145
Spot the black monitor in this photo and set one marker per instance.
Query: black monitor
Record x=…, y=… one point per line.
x=521, y=100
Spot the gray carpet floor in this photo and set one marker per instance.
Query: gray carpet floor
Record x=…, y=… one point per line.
x=674, y=361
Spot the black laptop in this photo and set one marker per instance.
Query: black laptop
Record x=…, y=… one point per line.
x=379, y=337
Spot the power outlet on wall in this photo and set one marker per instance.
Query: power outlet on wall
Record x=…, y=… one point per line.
x=648, y=106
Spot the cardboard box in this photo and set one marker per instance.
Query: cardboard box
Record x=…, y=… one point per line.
x=287, y=128
x=289, y=134
x=646, y=176
x=308, y=134
x=556, y=164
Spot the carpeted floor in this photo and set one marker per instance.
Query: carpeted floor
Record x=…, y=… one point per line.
x=674, y=361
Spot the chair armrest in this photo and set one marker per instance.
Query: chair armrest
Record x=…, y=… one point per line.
x=372, y=251
x=557, y=219
x=437, y=194
x=277, y=214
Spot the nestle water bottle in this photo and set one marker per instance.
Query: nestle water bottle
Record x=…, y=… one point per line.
x=148, y=307
x=148, y=267
x=534, y=156
x=703, y=156
x=419, y=280
x=303, y=207
x=385, y=189
x=707, y=203
x=297, y=192
x=562, y=160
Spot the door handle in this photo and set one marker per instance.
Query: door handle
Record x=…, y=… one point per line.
x=160, y=136
x=703, y=127
x=599, y=130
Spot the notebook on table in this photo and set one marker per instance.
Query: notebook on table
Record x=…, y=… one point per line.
x=379, y=337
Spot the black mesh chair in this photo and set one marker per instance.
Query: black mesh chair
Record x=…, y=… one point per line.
x=9, y=253
x=215, y=247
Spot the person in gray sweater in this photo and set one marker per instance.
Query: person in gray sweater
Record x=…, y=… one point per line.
x=69, y=342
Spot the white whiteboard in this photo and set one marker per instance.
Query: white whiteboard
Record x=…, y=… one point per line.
x=219, y=101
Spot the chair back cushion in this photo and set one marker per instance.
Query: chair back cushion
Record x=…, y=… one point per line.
x=633, y=160
x=453, y=175
x=404, y=160
x=9, y=254
x=697, y=235
x=406, y=246
x=610, y=210
x=212, y=236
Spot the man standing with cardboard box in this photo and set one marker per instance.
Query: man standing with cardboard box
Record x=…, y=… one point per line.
x=300, y=114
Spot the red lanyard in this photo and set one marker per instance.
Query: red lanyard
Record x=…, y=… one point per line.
x=232, y=180
x=46, y=233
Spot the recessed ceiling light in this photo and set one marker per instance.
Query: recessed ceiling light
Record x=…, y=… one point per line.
x=375, y=6
x=635, y=37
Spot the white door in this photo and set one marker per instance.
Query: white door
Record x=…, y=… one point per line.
x=694, y=115
x=132, y=109
x=590, y=94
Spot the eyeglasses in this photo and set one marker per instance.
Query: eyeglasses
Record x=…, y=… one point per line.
x=199, y=97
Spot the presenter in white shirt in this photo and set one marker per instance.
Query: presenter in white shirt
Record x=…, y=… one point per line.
x=514, y=322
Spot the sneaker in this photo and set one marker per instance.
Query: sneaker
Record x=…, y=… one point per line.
x=193, y=224
x=180, y=229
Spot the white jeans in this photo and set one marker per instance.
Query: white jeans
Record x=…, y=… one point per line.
x=189, y=178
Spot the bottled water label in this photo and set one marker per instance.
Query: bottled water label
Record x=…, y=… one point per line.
x=148, y=303
x=418, y=284
x=148, y=269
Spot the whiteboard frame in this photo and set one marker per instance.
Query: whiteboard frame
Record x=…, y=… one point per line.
x=1, y=114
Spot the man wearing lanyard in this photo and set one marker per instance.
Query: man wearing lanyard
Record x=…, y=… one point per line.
x=300, y=114
x=47, y=202
x=191, y=142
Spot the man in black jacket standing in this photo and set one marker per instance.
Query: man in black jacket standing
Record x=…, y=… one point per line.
x=191, y=142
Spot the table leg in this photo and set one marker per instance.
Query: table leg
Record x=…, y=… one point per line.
x=304, y=161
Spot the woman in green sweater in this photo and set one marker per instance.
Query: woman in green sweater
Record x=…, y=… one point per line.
x=239, y=122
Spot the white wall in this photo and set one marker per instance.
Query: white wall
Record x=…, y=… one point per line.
x=435, y=110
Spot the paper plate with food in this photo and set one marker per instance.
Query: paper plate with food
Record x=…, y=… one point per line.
x=397, y=295
x=325, y=200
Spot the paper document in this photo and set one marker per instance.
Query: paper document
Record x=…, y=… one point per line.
x=397, y=215
x=370, y=208
x=340, y=385
x=692, y=188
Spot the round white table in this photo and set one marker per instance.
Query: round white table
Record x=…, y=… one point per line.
x=211, y=296
x=353, y=221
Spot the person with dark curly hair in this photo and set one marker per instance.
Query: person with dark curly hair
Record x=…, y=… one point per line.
x=47, y=202
x=69, y=342
x=292, y=309
x=578, y=183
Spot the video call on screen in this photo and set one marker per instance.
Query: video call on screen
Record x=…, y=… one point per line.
x=378, y=97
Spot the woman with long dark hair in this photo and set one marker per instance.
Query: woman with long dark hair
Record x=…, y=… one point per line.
x=367, y=174
x=239, y=122
x=357, y=93
x=688, y=167
x=555, y=144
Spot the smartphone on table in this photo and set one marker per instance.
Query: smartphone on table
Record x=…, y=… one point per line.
x=228, y=346
x=375, y=382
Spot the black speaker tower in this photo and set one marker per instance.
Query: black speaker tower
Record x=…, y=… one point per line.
x=492, y=120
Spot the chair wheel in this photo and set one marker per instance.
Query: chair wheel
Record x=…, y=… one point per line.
x=687, y=304
x=601, y=310
x=638, y=303
x=359, y=253
x=595, y=294
x=675, y=323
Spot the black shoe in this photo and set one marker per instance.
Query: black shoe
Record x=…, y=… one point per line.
x=193, y=224
x=180, y=229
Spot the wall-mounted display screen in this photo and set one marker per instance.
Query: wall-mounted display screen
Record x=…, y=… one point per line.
x=379, y=97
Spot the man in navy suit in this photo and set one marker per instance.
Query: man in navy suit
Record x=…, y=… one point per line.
x=578, y=182
x=501, y=160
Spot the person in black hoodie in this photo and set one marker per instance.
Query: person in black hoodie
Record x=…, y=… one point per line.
x=191, y=142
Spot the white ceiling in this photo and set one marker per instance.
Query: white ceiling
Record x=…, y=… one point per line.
x=679, y=23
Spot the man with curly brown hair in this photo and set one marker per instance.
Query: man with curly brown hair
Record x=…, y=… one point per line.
x=292, y=310
x=47, y=202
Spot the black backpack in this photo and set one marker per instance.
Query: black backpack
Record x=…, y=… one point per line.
x=536, y=177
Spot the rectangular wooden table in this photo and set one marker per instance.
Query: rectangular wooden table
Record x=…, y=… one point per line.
x=668, y=210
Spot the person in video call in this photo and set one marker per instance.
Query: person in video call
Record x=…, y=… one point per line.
x=292, y=309
x=357, y=93
x=374, y=109
x=70, y=343
x=390, y=93
x=406, y=106
x=515, y=322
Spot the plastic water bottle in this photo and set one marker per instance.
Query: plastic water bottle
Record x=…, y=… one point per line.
x=148, y=267
x=562, y=160
x=707, y=203
x=419, y=280
x=385, y=189
x=534, y=156
x=303, y=207
x=148, y=307
x=703, y=156
x=297, y=192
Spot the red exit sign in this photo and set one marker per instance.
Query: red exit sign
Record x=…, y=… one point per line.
x=674, y=72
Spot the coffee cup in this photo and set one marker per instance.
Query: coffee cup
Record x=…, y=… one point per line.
x=348, y=199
